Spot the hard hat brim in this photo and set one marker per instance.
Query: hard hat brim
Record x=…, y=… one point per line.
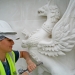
x=10, y=35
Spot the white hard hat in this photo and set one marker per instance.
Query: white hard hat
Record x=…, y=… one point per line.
x=7, y=31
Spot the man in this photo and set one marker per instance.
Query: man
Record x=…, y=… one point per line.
x=8, y=57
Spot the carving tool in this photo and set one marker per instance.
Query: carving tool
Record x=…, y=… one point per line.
x=22, y=71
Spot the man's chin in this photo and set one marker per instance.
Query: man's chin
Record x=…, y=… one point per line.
x=9, y=50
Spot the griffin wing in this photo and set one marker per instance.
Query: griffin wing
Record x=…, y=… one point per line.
x=63, y=35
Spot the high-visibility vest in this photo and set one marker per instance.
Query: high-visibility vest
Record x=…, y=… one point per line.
x=11, y=60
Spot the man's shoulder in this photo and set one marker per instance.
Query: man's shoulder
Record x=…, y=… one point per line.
x=16, y=55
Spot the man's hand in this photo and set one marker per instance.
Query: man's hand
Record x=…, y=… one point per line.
x=30, y=65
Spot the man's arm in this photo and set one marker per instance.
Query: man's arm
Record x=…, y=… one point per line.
x=30, y=64
x=25, y=73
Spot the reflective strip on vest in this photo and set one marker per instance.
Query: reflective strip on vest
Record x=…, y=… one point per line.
x=10, y=56
x=2, y=70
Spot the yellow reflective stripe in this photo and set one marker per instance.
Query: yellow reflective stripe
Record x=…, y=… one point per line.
x=13, y=56
x=11, y=64
x=2, y=70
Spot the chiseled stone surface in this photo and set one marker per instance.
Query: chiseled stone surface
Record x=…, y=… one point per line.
x=54, y=41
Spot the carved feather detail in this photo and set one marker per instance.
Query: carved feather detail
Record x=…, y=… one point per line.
x=63, y=40
x=63, y=36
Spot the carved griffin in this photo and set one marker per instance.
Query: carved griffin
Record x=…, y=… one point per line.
x=54, y=43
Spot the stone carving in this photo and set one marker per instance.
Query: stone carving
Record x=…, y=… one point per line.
x=54, y=43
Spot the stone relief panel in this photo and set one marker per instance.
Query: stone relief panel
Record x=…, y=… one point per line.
x=54, y=43
x=51, y=42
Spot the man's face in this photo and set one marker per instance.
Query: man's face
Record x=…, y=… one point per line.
x=6, y=45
